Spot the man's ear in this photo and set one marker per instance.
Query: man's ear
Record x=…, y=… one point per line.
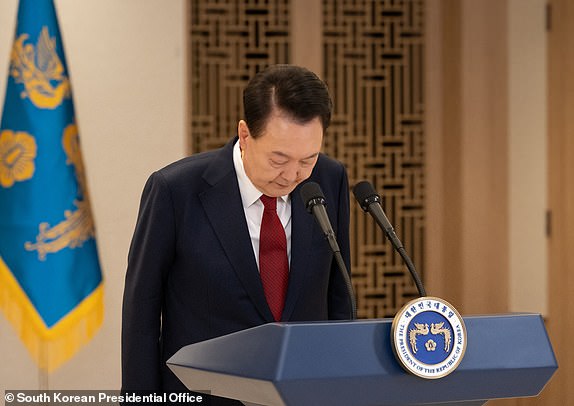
x=243, y=133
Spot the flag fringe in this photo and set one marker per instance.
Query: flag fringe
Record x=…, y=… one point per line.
x=49, y=347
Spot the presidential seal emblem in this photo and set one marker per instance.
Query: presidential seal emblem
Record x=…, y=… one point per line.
x=429, y=337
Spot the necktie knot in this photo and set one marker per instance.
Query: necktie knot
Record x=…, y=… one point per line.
x=270, y=203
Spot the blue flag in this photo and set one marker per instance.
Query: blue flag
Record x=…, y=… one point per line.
x=51, y=287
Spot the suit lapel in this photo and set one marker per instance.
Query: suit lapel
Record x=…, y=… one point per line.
x=224, y=209
x=301, y=237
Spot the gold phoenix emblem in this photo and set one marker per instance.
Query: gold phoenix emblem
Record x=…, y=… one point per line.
x=423, y=329
x=437, y=328
x=78, y=225
x=17, y=154
x=40, y=70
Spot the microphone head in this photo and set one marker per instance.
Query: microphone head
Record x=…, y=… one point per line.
x=311, y=194
x=365, y=194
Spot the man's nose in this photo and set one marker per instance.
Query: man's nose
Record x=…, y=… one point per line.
x=291, y=173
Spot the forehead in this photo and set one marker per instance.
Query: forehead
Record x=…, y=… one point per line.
x=284, y=136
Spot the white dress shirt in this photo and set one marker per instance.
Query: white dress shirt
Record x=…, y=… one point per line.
x=253, y=207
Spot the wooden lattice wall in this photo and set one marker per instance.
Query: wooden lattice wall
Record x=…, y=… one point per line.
x=230, y=42
x=373, y=64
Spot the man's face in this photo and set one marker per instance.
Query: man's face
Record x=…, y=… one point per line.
x=283, y=156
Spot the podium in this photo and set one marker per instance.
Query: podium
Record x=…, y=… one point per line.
x=352, y=363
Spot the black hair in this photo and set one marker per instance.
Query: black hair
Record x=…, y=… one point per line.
x=292, y=90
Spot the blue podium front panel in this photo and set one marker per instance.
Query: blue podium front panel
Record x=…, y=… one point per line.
x=352, y=363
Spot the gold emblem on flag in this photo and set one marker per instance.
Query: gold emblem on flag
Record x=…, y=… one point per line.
x=40, y=70
x=17, y=154
x=78, y=225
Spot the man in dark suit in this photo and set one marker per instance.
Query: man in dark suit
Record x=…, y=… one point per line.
x=197, y=266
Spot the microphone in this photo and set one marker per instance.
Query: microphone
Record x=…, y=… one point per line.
x=314, y=201
x=370, y=202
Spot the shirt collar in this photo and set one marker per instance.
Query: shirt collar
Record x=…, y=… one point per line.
x=249, y=193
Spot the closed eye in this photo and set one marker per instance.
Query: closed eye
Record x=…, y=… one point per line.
x=275, y=163
x=308, y=161
x=279, y=159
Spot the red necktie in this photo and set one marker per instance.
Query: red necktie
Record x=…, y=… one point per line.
x=273, y=262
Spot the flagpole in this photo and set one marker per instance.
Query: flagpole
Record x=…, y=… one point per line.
x=43, y=374
x=43, y=379
x=43, y=382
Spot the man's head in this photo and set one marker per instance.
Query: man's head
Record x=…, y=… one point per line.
x=287, y=110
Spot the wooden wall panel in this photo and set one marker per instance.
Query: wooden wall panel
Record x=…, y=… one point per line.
x=560, y=321
x=484, y=156
x=444, y=262
x=468, y=153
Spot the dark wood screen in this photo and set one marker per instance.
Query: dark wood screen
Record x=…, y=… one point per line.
x=230, y=42
x=373, y=64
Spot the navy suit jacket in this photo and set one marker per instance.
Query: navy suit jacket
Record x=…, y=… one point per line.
x=192, y=274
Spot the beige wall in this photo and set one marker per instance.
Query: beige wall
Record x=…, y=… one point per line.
x=527, y=161
x=486, y=128
x=127, y=66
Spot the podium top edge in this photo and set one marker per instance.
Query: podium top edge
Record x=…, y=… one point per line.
x=390, y=319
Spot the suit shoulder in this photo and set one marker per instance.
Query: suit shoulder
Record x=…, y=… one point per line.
x=330, y=174
x=330, y=165
x=186, y=169
x=187, y=166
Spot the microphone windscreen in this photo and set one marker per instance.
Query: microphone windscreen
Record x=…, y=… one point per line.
x=364, y=190
x=310, y=191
